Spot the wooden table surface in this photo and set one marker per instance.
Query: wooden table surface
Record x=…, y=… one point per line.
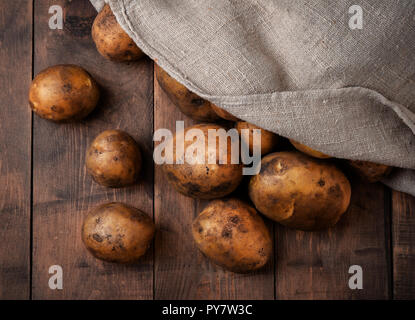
x=45, y=192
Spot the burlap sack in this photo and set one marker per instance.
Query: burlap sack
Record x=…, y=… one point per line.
x=295, y=67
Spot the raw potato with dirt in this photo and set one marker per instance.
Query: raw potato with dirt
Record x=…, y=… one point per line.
x=233, y=235
x=269, y=140
x=114, y=159
x=188, y=102
x=116, y=232
x=309, y=151
x=372, y=172
x=196, y=177
x=111, y=40
x=63, y=93
x=299, y=191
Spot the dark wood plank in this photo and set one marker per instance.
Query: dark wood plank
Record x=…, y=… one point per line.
x=181, y=272
x=63, y=192
x=403, y=240
x=315, y=265
x=15, y=145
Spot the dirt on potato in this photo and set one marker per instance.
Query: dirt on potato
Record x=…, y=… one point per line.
x=201, y=179
x=299, y=191
x=116, y=232
x=114, y=159
x=188, y=102
x=309, y=151
x=111, y=40
x=63, y=93
x=233, y=235
x=269, y=140
x=372, y=172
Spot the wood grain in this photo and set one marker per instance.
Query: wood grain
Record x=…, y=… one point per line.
x=403, y=240
x=15, y=145
x=62, y=191
x=315, y=265
x=181, y=272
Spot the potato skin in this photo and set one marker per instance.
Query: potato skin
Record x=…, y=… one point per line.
x=233, y=235
x=309, y=151
x=63, y=93
x=116, y=232
x=223, y=113
x=114, y=159
x=299, y=191
x=372, y=172
x=269, y=140
x=188, y=102
x=111, y=40
x=204, y=181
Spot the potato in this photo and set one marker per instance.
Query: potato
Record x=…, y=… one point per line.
x=223, y=113
x=114, y=159
x=307, y=150
x=299, y=191
x=372, y=172
x=233, y=235
x=111, y=40
x=63, y=93
x=269, y=140
x=188, y=102
x=116, y=232
x=204, y=181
